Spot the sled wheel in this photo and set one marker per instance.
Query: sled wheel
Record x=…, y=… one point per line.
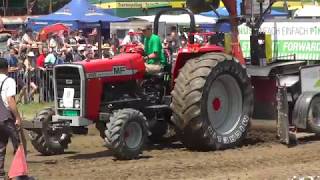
x=48, y=141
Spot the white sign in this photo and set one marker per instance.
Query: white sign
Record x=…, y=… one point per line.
x=286, y=30
x=68, y=95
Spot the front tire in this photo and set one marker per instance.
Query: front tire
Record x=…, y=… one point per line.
x=212, y=102
x=126, y=133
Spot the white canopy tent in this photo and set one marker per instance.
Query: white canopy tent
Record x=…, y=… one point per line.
x=308, y=11
x=182, y=19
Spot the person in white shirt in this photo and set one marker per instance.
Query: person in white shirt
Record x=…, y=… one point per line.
x=130, y=38
x=30, y=73
x=26, y=41
x=53, y=43
x=9, y=87
x=10, y=119
x=13, y=42
x=27, y=38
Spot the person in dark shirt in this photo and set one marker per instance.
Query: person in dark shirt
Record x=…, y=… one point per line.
x=81, y=38
x=114, y=42
x=71, y=41
x=16, y=73
x=68, y=56
x=79, y=56
x=13, y=64
x=174, y=41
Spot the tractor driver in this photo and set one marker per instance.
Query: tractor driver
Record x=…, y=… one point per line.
x=154, y=56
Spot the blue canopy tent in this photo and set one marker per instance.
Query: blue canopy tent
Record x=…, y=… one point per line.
x=76, y=14
x=223, y=13
x=225, y=27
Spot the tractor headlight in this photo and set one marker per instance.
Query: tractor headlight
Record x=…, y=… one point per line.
x=61, y=103
x=77, y=104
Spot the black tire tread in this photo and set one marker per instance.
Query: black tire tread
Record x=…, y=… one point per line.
x=184, y=80
x=114, y=130
x=187, y=97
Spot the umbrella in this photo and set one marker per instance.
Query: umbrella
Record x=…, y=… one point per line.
x=54, y=28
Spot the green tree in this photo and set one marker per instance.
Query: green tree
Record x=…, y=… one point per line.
x=43, y=6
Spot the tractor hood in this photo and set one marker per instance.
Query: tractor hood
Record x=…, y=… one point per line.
x=121, y=67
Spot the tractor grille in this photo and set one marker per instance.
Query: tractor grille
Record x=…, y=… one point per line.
x=67, y=77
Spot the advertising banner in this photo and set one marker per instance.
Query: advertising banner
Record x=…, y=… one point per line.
x=301, y=39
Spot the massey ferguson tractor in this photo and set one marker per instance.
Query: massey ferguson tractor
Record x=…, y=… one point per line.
x=208, y=95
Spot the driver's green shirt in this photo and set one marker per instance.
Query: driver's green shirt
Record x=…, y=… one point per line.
x=153, y=45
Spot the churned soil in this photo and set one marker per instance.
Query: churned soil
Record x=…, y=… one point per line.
x=261, y=157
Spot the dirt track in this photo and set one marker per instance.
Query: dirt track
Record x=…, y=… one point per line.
x=260, y=158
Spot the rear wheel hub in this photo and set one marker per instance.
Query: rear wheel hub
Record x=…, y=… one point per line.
x=216, y=104
x=224, y=103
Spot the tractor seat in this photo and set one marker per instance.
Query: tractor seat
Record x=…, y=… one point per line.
x=165, y=71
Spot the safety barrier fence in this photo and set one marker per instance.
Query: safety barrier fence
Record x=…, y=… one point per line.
x=34, y=85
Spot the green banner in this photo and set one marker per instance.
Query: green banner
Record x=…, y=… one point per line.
x=303, y=50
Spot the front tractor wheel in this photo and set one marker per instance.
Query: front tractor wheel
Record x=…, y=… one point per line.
x=49, y=141
x=126, y=133
x=212, y=102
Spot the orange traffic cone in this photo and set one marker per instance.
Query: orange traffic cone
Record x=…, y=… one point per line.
x=19, y=164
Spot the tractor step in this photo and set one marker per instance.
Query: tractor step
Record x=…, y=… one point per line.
x=158, y=107
x=29, y=125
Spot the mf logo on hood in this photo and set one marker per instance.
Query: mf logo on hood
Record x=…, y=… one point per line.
x=119, y=70
x=69, y=81
x=116, y=71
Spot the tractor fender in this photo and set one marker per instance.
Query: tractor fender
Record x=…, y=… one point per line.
x=301, y=109
x=190, y=52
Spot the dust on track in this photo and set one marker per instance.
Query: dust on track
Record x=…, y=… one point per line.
x=261, y=157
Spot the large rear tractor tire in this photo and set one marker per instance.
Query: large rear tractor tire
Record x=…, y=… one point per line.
x=212, y=102
x=49, y=141
x=126, y=133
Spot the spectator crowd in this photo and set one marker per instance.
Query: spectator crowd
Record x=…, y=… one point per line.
x=27, y=53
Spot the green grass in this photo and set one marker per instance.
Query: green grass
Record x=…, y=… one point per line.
x=28, y=111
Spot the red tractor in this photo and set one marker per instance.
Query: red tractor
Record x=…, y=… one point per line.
x=207, y=95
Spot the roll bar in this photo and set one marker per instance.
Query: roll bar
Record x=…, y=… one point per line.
x=188, y=11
